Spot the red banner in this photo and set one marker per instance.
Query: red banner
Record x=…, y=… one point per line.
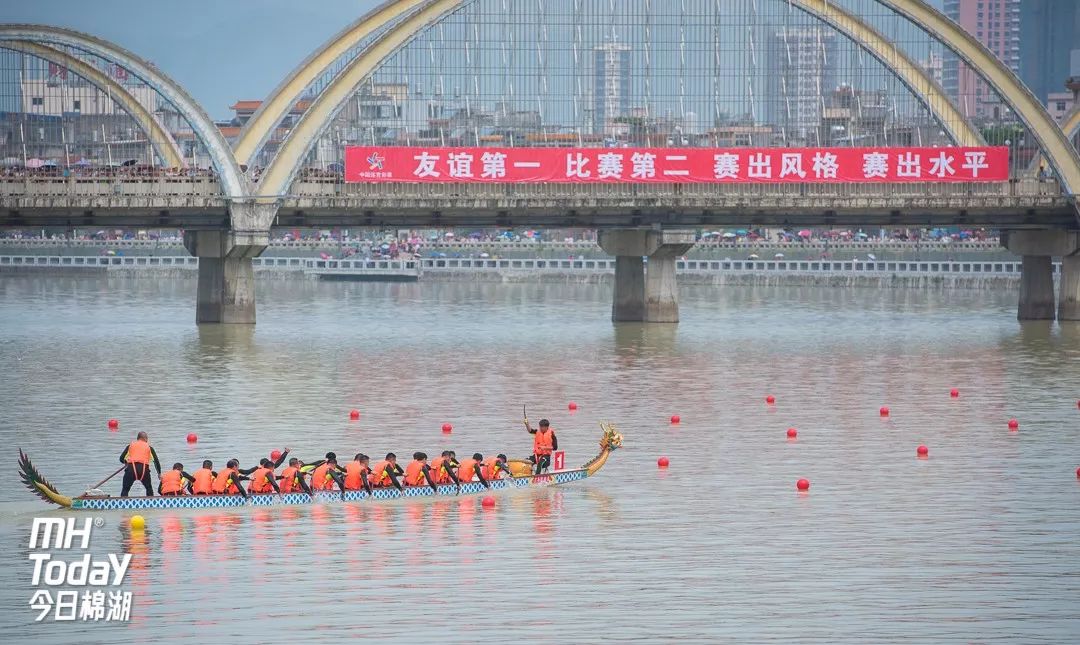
x=674, y=165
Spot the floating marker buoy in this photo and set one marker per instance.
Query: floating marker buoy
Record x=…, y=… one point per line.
x=354, y=414
x=662, y=462
x=114, y=424
x=803, y=484
x=922, y=451
x=488, y=502
x=1014, y=424
x=192, y=437
x=884, y=411
x=770, y=399
x=137, y=523
x=571, y=406
x=954, y=393
x=1078, y=473
x=792, y=433
x=275, y=455
x=676, y=418
x=447, y=428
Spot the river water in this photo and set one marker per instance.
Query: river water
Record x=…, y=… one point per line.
x=976, y=543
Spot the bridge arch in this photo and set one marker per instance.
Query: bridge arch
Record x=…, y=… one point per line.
x=1071, y=126
x=284, y=167
x=232, y=180
x=261, y=124
x=159, y=137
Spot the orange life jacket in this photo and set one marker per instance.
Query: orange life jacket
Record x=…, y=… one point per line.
x=378, y=474
x=222, y=485
x=353, y=472
x=138, y=452
x=204, y=482
x=260, y=480
x=439, y=470
x=172, y=483
x=414, y=473
x=490, y=470
x=466, y=472
x=290, y=480
x=320, y=479
x=543, y=442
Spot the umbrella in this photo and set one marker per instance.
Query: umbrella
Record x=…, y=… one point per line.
x=35, y=163
x=449, y=235
x=335, y=167
x=82, y=162
x=752, y=256
x=778, y=255
x=871, y=256
x=11, y=161
x=805, y=234
x=742, y=232
x=729, y=235
x=130, y=162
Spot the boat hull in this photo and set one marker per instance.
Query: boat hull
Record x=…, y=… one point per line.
x=320, y=497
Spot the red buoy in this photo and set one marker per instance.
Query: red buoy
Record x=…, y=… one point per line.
x=884, y=411
x=275, y=455
x=676, y=418
x=572, y=406
x=662, y=462
x=488, y=502
x=954, y=393
x=922, y=451
x=1078, y=473
x=1014, y=424
x=803, y=484
x=192, y=437
x=354, y=414
x=792, y=433
x=770, y=399
x=447, y=428
x=114, y=424
x=1078, y=405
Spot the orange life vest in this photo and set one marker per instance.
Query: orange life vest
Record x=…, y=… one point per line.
x=260, y=480
x=138, y=452
x=172, y=483
x=222, y=485
x=320, y=479
x=490, y=470
x=439, y=471
x=204, y=482
x=353, y=472
x=290, y=480
x=414, y=474
x=378, y=474
x=543, y=442
x=466, y=472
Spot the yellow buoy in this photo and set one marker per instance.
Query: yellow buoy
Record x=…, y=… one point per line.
x=137, y=523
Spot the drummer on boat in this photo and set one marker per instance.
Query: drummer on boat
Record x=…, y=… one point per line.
x=544, y=443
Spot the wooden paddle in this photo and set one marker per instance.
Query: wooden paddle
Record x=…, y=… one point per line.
x=98, y=485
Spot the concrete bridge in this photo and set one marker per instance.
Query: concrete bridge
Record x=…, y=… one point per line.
x=467, y=72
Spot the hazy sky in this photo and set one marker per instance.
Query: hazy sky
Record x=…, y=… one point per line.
x=219, y=50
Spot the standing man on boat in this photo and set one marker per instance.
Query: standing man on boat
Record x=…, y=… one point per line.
x=544, y=443
x=136, y=459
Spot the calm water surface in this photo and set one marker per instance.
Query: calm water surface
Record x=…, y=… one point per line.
x=977, y=543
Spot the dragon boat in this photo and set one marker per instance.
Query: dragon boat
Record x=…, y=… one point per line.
x=520, y=470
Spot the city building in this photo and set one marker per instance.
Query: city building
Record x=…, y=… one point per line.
x=1049, y=33
x=934, y=66
x=802, y=70
x=611, y=87
x=996, y=24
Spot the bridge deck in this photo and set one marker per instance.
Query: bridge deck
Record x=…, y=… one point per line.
x=198, y=202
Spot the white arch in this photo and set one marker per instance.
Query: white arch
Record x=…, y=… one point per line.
x=232, y=180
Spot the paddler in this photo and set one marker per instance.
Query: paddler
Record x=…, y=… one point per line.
x=175, y=481
x=386, y=472
x=325, y=475
x=356, y=473
x=264, y=463
x=494, y=467
x=418, y=471
x=442, y=467
x=292, y=478
x=228, y=481
x=263, y=479
x=471, y=470
x=202, y=482
x=136, y=459
x=544, y=443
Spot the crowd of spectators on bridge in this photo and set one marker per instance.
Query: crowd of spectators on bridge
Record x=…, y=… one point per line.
x=121, y=171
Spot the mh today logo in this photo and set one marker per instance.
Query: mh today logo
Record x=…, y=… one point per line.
x=55, y=534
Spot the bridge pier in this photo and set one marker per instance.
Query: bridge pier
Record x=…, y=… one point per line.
x=642, y=295
x=226, y=291
x=1037, y=250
